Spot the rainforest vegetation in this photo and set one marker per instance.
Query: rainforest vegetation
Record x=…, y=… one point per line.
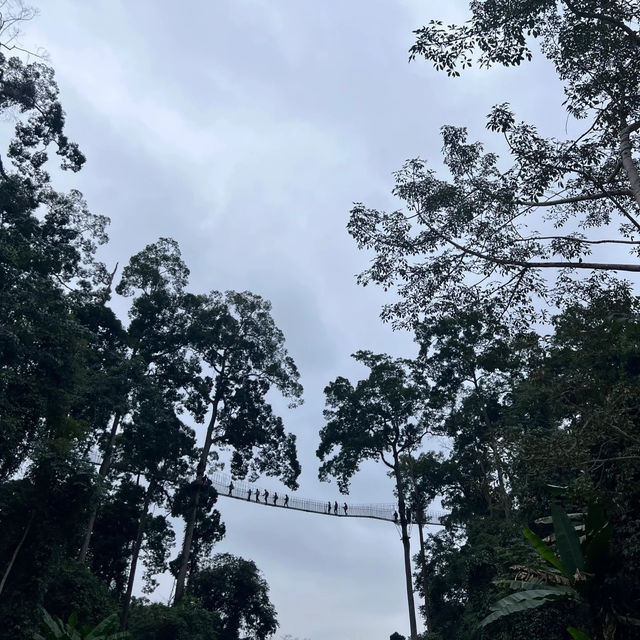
x=518, y=412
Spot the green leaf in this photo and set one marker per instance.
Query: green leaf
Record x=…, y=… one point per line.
x=523, y=600
x=105, y=627
x=55, y=626
x=576, y=634
x=544, y=551
x=567, y=541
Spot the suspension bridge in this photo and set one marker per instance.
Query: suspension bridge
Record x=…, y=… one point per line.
x=248, y=492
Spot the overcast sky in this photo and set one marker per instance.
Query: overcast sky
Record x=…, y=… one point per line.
x=246, y=129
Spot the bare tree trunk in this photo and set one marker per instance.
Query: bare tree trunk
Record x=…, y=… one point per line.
x=425, y=580
x=102, y=472
x=406, y=547
x=186, y=548
x=142, y=523
x=191, y=521
x=626, y=158
x=15, y=553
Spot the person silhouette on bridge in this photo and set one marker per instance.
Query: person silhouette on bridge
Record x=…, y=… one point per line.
x=266, y=497
x=249, y=494
x=329, y=506
x=395, y=517
x=275, y=499
x=344, y=506
x=335, y=508
x=286, y=499
x=257, y=495
x=230, y=487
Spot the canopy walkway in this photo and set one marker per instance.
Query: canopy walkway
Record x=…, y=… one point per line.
x=251, y=493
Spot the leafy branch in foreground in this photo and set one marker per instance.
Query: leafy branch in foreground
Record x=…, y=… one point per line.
x=578, y=571
x=56, y=629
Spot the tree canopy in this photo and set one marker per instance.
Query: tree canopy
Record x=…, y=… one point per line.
x=493, y=226
x=99, y=414
x=518, y=413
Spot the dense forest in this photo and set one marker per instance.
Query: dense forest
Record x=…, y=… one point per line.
x=519, y=411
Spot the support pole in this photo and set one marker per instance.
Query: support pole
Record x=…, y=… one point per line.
x=407, y=571
x=425, y=580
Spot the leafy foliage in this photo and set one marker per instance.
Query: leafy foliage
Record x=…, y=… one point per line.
x=56, y=629
x=186, y=621
x=95, y=447
x=583, y=561
x=486, y=232
x=234, y=589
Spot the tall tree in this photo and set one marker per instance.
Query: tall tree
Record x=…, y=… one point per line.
x=474, y=359
x=561, y=413
x=115, y=531
x=558, y=206
x=158, y=447
x=48, y=271
x=155, y=350
x=48, y=242
x=583, y=431
x=243, y=357
x=384, y=417
x=423, y=480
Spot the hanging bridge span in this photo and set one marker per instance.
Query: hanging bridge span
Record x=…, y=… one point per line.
x=248, y=492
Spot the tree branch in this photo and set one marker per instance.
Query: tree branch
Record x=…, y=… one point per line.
x=598, y=266
x=603, y=18
x=582, y=198
x=384, y=460
x=576, y=240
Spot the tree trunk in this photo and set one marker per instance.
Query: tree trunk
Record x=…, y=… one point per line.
x=406, y=546
x=626, y=158
x=506, y=502
x=186, y=548
x=15, y=553
x=425, y=580
x=102, y=472
x=191, y=521
x=142, y=523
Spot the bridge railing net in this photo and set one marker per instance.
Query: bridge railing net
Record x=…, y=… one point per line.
x=248, y=492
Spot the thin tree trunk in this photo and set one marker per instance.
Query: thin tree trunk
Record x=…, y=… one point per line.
x=15, y=553
x=191, y=521
x=406, y=547
x=102, y=472
x=425, y=580
x=186, y=548
x=142, y=523
x=626, y=158
x=506, y=503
